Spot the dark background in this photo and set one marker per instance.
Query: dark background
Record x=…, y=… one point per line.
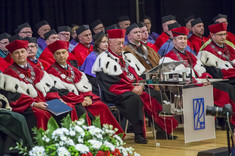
x=67, y=12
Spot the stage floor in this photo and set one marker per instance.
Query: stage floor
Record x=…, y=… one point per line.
x=175, y=147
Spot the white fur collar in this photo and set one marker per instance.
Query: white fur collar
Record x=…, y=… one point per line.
x=108, y=63
x=14, y=85
x=209, y=59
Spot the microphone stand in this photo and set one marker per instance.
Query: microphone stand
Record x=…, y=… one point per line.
x=160, y=68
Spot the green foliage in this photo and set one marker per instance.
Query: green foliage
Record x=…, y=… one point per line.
x=96, y=122
x=52, y=125
x=66, y=122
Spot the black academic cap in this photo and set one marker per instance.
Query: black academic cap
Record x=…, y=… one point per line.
x=123, y=18
x=196, y=21
x=174, y=25
x=20, y=27
x=95, y=23
x=14, y=37
x=219, y=16
x=49, y=33
x=168, y=18
x=131, y=27
x=96, y=36
x=140, y=25
x=113, y=26
x=82, y=29
x=4, y=35
x=186, y=19
x=38, y=25
x=64, y=28
x=30, y=39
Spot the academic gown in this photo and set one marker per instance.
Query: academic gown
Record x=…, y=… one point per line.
x=79, y=87
x=223, y=92
x=32, y=85
x=169, y=45
x=197, y=42
x=153, y=46
x=162, y=38
x=116, y=75
x=149, y=61
x=222, y=58
x=48, y=57
x=3, y=64
x=81, y=52
x=231, y=37
x=41, y=64
x=87, y=69
x=3, y=54
x=41, y=43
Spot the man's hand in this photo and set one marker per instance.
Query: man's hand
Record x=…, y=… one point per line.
x=138, y=90
x=40, y=105
x=87, y=101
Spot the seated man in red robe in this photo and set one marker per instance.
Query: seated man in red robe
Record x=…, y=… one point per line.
x=30, y=87
x=197, y=39
x=165, y=35
x=221, y=18
x=223, y=92
x=84, y=47
x=116, y=72
x=32, y=51
x=46, y=55
x=67, y=77
x=218, y=53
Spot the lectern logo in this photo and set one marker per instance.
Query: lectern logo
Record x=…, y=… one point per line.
x=199, y=113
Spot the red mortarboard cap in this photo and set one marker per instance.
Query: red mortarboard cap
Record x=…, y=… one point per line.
x=180, y=31
x=214, y=28
x=58, y=45
x=116, y=33
x=17, y=44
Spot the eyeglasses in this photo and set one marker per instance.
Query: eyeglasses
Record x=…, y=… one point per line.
x=65, y=34
x=26, y=32
x=99, y=28
x=220, y=35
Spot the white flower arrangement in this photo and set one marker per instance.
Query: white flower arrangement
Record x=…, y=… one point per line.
x=75, y=138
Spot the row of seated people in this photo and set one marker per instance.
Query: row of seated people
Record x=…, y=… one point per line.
x=160, y=43
x=28, y=88
x=115, y=76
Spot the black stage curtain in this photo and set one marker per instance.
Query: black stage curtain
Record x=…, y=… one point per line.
x=67, y=12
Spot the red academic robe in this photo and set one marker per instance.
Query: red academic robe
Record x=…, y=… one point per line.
x=41, y=64
x=231, y=37
x=123, y=83
x=197, y=42
x=37, y=87
x=161, y=40
x=153, y=46
x=220, y=90
x=81, y=52
x=8, y=59
x=3, y=64
x=222, y=58
x=79, y=87
x=48, y=57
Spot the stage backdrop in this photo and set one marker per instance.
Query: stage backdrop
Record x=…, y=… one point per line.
x=67, y=12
